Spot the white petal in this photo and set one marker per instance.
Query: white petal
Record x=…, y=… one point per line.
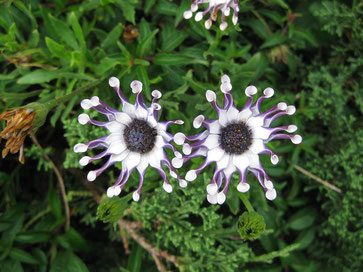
x=114, y=82
x=177, y=162
x=123, y=118
x=141, y=113
x=234, y=19
x=167, y=187
x=95, y=100
x=156, y=94
x=179, y=138
x=198, y=121
x=155, y=157
x=291, y=128
x=156, y=106
x=208, y=24
x=215, y=154
x=221, y=198
x=194, y=7
x=225, y=79
x=159, y=141
x=136, y=86
x=223, y=26
x=232, y=114
x=178, y=154
x=254, y=160
x=241, y=161
x=212, y=141
x=224, y=161
x=132, y=160
x=268, y=92
x=255, y=122
x=91, y=175
x=165, y=135
x=198, y=16
x=183, y=183
x=117, y=190
x=271, y=194
x=151, y=121
x=257, y=146
x=188, y=14
x=244, y=115
x=191, y=175
x=260, y=133
x=297, y=139
x=268, y=184
x=282, y=106
x=250, y=91
x=211, y=96
x=212, y=189
x=78, y=148
x=129, y=109
x=212, y=199
x=173, y=174
x=274, y=159
x=86, y=104
x=243, y=187
x=115, y=137
x=214, y=127
x=83, y=118
x=121, y=156
x=84, y=160
x=143, y=164
x=115, y=127
x=187, y=149
x=110, y=192
x=290, y=110
x=223, y=118
x=136, y=196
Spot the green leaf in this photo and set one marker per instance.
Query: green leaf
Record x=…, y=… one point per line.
x=112, y=37
x=55, y=48
x=67, y=262
x=274, y=40
x=128, y=10
x=172, y=41
x=33, y=237
x=112, y=209
x=305, y=238
x=144, y=78
x=63, y=32
x=302, y=219
x=176, y=59
x=38, y=76
x=22, y=256
x=145, y=45
x=55, y=204
x=135, y=259
x=73, y=20
x=11, y=266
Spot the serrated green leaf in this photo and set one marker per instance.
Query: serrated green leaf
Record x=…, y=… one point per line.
x=112, y=209
x=55, y=48
x=274, y=40
x=128, y=10
x=113, y=36
x=63, y=32
x=144, y=47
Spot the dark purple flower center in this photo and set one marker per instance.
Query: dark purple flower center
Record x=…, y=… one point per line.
x=236, y=138
x=139, y=136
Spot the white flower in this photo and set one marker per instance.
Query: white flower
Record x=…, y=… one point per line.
x=136, y=139
x=214, y=6
x=235, y=140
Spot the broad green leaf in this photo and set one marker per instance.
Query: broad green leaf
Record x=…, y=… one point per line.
x=55, y=204
x=305, y=238
x=55, y=48
x=144, y=78
x=38, y=76
x=302, y=219
x=112, y=209
x=33, y=237
x=144, y=47
x=274, y=40
x=67, y=262
x=113, y=36
x=128, y=10
x=22, y=256
x=63, y=32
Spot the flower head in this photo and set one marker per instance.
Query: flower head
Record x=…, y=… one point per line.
x=20, y=123
x=235, y=140
x=214, y=6
x=136, y=139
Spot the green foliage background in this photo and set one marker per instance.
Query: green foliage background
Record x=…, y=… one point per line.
x=310, y=52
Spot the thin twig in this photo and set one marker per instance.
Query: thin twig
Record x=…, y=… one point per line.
x=159, y=264
x=317, y=179
x=60, y=181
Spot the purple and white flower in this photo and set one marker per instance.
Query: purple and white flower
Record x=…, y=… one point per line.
x=136, y=139
x=214, y=6
x=235, y=140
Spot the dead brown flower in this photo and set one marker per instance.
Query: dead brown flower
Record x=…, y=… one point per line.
x=130, y=32
x=19, y=124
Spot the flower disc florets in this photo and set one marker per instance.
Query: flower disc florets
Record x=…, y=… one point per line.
x=213, y=7
x=235, y=140
x=136, y=139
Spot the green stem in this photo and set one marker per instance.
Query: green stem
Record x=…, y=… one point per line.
x=56, y=101
x=246, y=202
